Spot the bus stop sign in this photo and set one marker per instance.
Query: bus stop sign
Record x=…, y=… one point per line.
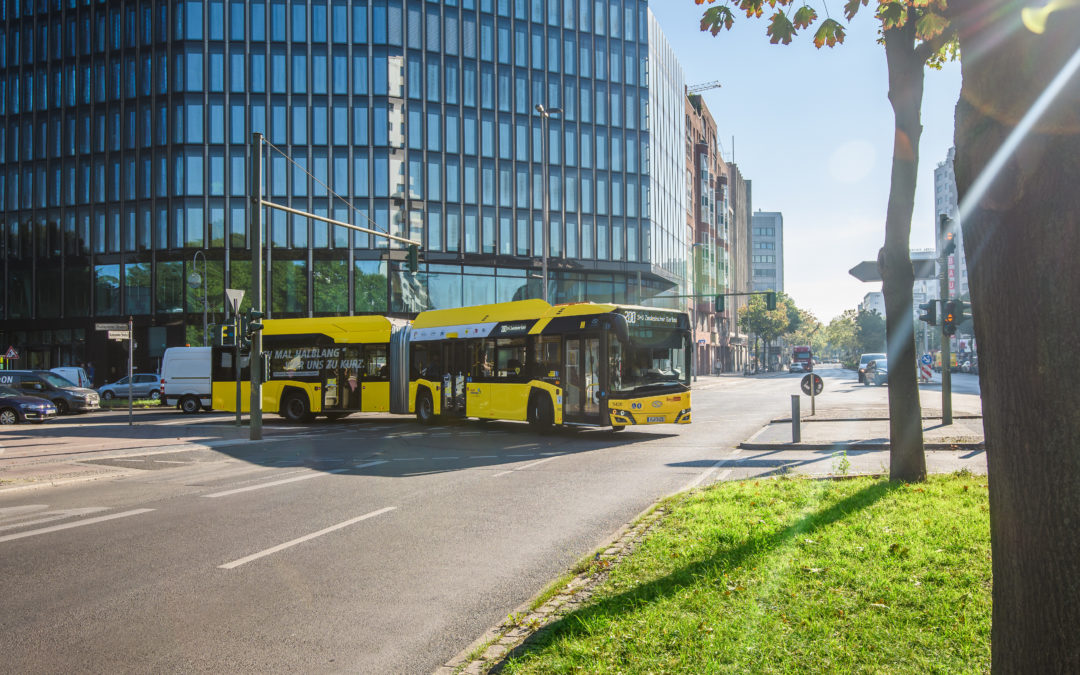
x=818, y=384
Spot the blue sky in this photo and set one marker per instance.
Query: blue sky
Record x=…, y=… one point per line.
x=813, y=130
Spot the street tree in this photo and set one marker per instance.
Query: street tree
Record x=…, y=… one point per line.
x=870, y=332
x=840, y=335
x=916, y=34
x=809, y=331
x=1017, y=167
x=767, y=325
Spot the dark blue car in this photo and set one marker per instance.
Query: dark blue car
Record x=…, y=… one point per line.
x=16, y=407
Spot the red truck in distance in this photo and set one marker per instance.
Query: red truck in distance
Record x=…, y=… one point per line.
x=801, y=360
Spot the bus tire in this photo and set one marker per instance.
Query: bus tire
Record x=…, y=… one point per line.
x=541, y=414
x=617, y=427
x=295, y=408
x=190, y=405
x=425, y=409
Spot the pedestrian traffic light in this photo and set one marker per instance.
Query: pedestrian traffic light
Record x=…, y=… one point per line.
x=946, y=234
x=949, y=315
x=414, y=258
x=228, y=335
x=929, y=314
x=718, y=303
x=770, y=300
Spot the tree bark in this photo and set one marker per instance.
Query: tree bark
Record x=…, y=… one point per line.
x=907, y=460
x=1022, y=240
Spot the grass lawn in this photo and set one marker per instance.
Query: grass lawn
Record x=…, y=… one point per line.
x=793, y=576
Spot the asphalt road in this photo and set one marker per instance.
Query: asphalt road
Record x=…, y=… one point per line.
x=374, y=545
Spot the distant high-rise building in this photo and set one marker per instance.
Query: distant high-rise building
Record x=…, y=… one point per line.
x=767, y=251
x=946, y=203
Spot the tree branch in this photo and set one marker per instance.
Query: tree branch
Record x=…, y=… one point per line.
x=924, y=50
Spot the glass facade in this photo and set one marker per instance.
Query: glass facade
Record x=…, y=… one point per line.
x=125, y=149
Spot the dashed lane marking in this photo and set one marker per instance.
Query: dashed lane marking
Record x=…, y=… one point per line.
x=704, y=475
x=77, y=523
x=299, y=540
x=525, y=466
x=283, y=481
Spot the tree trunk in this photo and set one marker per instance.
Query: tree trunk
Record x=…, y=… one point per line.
x=1022, y=240
x=907, y=461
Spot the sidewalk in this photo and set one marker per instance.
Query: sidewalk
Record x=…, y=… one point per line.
x=865, y=427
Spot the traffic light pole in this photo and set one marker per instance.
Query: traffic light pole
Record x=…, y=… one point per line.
x=946, y=356
x=255, y=358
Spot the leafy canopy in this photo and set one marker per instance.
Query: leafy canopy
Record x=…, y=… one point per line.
x=788, y=17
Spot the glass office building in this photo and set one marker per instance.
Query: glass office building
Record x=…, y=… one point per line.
x=125, y=141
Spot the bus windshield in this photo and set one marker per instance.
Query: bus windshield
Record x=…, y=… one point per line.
x=653, y=358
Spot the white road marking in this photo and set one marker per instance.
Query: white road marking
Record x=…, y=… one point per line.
x=756, y=434
x=171, y=461
x=50, y=516
x=484, y=457
x=300, y=540
x=283, y=481
x=520, y=445
x=78, y=523
x=704, y=475
x=526, y=466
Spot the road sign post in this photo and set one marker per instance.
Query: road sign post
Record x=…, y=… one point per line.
x=796, y=431
x=235, y=297
x=812, y=385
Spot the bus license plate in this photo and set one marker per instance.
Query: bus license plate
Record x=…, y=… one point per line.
x=656, y=419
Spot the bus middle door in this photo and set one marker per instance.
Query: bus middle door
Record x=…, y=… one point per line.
x=583, y=394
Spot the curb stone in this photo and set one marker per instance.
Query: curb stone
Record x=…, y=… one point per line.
x=504, y=640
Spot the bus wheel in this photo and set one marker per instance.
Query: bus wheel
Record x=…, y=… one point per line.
x=295, y=408
x=425, y=410
x=541, y=416
x=617, y=427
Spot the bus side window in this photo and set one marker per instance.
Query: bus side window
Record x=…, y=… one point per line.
x=548, y=357
x=375, y=367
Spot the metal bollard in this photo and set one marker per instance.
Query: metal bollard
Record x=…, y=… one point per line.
x=796, y=431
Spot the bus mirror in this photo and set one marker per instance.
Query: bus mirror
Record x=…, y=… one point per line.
x=620, y=328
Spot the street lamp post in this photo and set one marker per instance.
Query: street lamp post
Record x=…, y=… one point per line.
x=194, y=280
x=545, y=113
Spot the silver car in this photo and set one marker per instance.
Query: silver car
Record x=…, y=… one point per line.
x=143, y=385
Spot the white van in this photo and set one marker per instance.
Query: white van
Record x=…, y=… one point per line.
x=75, y=375
x=185, y=378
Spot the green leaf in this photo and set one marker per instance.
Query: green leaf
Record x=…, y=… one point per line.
x=753, y=8
x=930, y=25
x=716, y=18
x=892, y=14
x=805, y=16
x=829, y=33
x=780, y=29
x=851, y=7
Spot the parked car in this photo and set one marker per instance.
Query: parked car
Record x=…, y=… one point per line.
x=865, y=359
x=877, y=371
x=185, y=378
x=143, y=385
x=75, y=375
x=16, y=407
x=46, y=384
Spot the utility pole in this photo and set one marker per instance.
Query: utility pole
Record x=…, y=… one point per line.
x=946, y=357
x=255, y=359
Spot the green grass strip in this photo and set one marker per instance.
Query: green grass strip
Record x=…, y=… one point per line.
x=793, y=576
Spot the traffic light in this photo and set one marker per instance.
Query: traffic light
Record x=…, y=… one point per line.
x=252, y=322
x=718, y=303
x=770, y=301
x=946, y=235
x=949, y=314
x=929, y=314
x=414, y=258
x=228, y=335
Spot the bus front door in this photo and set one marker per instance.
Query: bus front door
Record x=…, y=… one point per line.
x=582, y=395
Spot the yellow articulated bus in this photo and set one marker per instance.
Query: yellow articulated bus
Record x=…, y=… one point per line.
x=577, y=364
x=330, y=366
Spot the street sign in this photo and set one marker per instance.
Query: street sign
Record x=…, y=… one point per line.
x=818, y=384
x=11, y=353
x=926, y=359
x=111, y=326
x=119, y=334
x=234, y=297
